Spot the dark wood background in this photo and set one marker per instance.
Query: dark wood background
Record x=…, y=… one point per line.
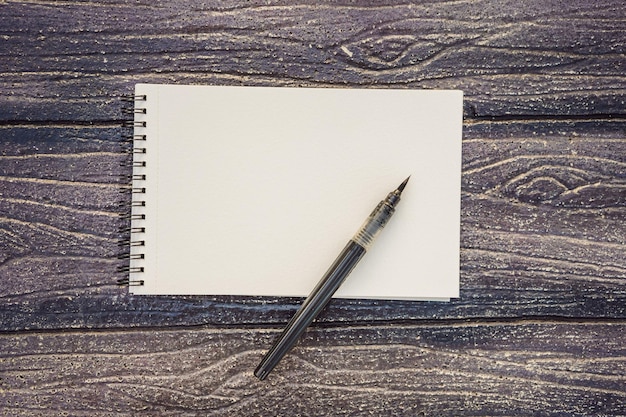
x=540, y=328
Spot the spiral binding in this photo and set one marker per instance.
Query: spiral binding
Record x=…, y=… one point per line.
x=133, y=189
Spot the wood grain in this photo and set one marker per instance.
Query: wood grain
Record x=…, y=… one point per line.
x=523, y=368
x=540, y=325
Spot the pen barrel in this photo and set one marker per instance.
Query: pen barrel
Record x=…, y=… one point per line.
x=314, y=303
x=334, y=277
x=374, y=224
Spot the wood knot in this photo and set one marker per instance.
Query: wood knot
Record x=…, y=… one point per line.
x=563, y=181
x=387, y=52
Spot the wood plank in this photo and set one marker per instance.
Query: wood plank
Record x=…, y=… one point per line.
x=66, y=62
x=543, y=233
x=474, y=368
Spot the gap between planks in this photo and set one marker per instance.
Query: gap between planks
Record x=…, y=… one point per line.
x=343, y=325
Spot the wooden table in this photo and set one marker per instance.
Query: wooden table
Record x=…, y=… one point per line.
x=540, y=328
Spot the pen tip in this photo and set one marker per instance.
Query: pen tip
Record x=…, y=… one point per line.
x=401, y=186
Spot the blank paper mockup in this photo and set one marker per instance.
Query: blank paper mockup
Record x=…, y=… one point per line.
x=255, y=190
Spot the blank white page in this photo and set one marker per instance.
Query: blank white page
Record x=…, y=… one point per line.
x=255, y=190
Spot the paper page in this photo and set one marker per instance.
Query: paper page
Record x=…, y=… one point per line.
x=256, y=190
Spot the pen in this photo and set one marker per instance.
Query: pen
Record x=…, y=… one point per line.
x=334, y=277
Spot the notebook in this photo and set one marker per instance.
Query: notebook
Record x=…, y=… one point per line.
x=254, y=191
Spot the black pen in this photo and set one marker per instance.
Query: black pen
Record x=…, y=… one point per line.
x=334, y=277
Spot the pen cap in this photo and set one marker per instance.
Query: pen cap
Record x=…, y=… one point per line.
x=373, y=225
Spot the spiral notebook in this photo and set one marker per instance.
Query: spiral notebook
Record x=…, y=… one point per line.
x=254, y=190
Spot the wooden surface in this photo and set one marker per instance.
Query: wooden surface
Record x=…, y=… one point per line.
x=540, y=326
